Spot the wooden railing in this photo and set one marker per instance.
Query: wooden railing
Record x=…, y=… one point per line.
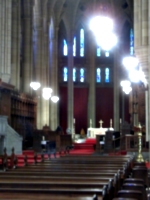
x=126, y=142
x=130, y=143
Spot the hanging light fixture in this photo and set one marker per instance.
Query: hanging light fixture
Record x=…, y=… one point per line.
x=47, y=93
x=126, y=86
x=35, y=85
x=130, y=62
x=102, y=28
x=55, y=99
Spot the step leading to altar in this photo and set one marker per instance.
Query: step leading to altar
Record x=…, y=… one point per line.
x=9, y=138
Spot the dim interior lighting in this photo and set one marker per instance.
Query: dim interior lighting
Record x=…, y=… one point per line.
x=35, y=85
x=55, y=99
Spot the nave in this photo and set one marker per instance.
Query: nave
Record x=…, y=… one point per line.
x=82, y=177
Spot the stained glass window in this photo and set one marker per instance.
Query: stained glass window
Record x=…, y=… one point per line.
x=131, y=42
x=82, y=75
x=74, y=46
x=65, y=49
x=82, y=42
x=98, y=75
x=98, y=51
x=65, y=74
x=107, y=75
x=74, y=74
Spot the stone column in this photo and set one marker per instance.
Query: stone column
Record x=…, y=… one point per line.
x=27, y=46
x=54, y=121
x=141, y=35
x=92, y=80
x=45, y=67
x=5, y=39
x=116, y=75
x=38, y=58
x=70, y=111
x=15, y=48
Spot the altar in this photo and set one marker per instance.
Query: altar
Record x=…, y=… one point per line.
x=92, y=132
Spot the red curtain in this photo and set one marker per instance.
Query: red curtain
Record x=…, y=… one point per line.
x=63, y=108
x=80, y=108
x=104, y=106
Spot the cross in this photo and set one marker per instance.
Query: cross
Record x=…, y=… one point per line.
x=101, y=123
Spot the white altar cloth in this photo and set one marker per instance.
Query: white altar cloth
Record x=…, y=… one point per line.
x=92, y=132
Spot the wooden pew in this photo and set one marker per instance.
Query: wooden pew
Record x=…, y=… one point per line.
x=135, y=194
x=32, y=196
x=88, y=181
x=55, y=187
x=8, y=161
x=135, y=186
x=61, y=143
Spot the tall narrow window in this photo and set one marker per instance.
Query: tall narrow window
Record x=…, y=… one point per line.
x=98, y=75
x=98, y=51
x=74, y=46
x=74, y=74
x=82, y=42
x=107, y=75
x=65, y=48
x=131, y=42
x=82, y=75
x=65, y=74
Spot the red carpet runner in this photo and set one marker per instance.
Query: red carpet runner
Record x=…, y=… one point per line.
x=86, y=147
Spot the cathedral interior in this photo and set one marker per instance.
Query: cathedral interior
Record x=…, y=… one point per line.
x=74, y=99
x=50, y=42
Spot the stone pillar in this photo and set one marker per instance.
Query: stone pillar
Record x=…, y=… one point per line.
x=144, y=7
x=70, y=111
x=141, y=37
x=54, y=121
x=27, y=46
x=5, y=39
x=45, y=67
x=92, y=80
x=147, y=114
x=116, y=90
x=137, y=23
x=38, y=58
x=15, y=48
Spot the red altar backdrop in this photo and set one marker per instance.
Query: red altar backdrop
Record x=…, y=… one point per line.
x=104, y=105
x=63, y=108
x=80, y=108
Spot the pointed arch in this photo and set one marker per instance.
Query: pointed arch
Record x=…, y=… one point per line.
x=62, y=39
